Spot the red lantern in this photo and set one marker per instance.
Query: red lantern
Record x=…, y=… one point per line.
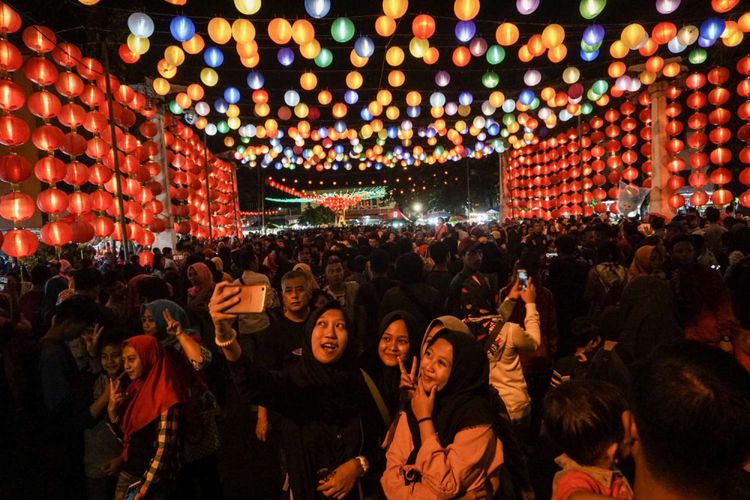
x=127, y=55
x=10, y=57
x=461, y=56
x=79, y=203
x=39, y=38
x=72, y=116
x=101, y=200
x=99, y=174
x=103, y=227
x=16, y=206
x=74, y=144
x=14, y=168
x=10, y=20
x=69, y=85
x=52, y=201
x=721, y=197
x=699, y=198
x=20, y=243
x=423, y=26
x=47, y=138
x=44, y=104
x=13, y=131
x=146, y=258
x=56, y=233
x=82, y=232
x=40, y=71
x=676, y=201
x=12, y=96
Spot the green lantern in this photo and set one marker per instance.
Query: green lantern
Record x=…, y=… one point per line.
x=509, y=120
x=222, y=127
x=600, y=87
x=342, y=29
x=534, y=104
x=587, y=108
x=697, y=56
x=175, y=108
x=324, y=59
x=490, y=80
x=590, y=48
x=495, y=54
x=591, y=95
x=591, y=8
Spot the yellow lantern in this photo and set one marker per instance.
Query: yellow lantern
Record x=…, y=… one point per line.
x=375, y=108
x=302, y=31
x=395, y=8
x=209, y=77
x=339, y=110
x=366, y=131
x=396, y=78
x=633, y=35
x=553, y=35
x=138, y=45
x=308, y=80
x=557, y=54
x=301, y=110
x=464, y=110
x=524, y=55
x=195, y=91
x=324, y=97
x=385, y=26
x=437, y=112
x=247, y=49
x=744, y=22
x=243, y=30
x=507, y=34
x=734, y=40
x=466, y=10
x=195, y=45
x=310, y=50
x=233, y=111
x=354, y=80
x=161, y=86
x=272, y=127
x=431, y=56
x=646, y=77
x=183, y=100
x=413, y=98
x=219, y=30
x=618, y=49
x=616, y=69
x=497, y=99
x=165, y=69
x=384, y=97
x=603, y=100
x=671, y=70
x=392, y=113
x=280, y=31
x=247, y=7
x=394, y=56
x=357, y=62
x=262, y=109
x=418, y=47
x=174, y=55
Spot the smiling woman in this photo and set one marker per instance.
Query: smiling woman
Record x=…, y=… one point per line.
x=331, y=423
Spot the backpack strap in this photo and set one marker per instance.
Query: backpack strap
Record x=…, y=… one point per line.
x=378, y=398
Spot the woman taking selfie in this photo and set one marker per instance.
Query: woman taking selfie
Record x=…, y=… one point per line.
x=324, y=397
x=445, y=445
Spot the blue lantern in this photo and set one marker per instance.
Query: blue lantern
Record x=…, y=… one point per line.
x=317, y=9
x=465, y=98
x=232, y=95
x=182, y=28
x=413, y=111
x=339, y=126
x=712, y=28
x=675, y=47
x=255, y=80
x=291, y=98
x=465, y=30
x=364, y=46
x=705, y=42
x=526, y=97
x=213, y=56
x=141, y=25
x=593, y=34
x=351, y=97
x=392, y=132
x=437, y=100
x=220, y=105
x=365, y=114
x=285, y=55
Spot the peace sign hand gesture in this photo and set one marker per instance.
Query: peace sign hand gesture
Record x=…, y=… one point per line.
x=408, y=382
x=174, y=327
x=91, y=340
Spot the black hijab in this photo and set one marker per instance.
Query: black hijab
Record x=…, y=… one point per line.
x=466, y=400
x=388, y=378
x=333, y=389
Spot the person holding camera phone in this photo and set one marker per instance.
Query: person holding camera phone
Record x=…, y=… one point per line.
x=323, y=396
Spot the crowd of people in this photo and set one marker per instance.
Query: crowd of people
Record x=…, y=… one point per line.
x=567, y=359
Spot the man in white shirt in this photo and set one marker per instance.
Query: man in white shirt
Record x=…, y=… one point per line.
x=251, y=326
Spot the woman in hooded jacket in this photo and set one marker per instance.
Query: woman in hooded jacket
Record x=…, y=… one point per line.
x=324, y=397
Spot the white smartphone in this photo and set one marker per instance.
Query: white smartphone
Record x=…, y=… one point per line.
x=252, y=300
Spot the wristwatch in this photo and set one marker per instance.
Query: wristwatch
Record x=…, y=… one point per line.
x=363, y=464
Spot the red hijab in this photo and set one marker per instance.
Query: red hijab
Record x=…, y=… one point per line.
x=205, y=278
x=151, y=394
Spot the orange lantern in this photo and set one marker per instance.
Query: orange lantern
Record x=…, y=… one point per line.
x=385, y=26
x=507, y=34
x=466, y=10
x=280, y=31
x=423, y=26
x=461, y=56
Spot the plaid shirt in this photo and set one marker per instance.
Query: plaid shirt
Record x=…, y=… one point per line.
x=166, y=461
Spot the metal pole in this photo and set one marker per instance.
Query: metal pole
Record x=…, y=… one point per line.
x=112, y=130
x=235, y=195
x=208, y=188
x=468, y=189
x=580, y=156
x=261, y=187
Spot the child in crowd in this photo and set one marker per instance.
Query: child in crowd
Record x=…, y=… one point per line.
x=585, y=419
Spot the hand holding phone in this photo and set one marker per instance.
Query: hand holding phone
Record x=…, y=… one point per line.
x=523, y=279
x=252, y=300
